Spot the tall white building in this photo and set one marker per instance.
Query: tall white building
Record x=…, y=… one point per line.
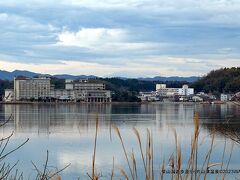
x=185, y=91
x=31, y=88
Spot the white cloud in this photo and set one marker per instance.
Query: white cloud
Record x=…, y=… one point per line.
x=105, y=40
x=91, y=37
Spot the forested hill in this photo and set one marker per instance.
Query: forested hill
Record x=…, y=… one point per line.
x=225, y=80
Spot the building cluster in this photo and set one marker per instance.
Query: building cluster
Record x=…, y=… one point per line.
x=93, y=91
x=40, y=89
x=184, y=94
x=164, y=93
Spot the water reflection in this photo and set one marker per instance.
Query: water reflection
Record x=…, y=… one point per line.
x=224, y=120
x=67, y=131
x=70, y=118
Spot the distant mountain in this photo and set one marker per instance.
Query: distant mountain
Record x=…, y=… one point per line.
x=172, y=78
x=5, y=75
x=67, y=76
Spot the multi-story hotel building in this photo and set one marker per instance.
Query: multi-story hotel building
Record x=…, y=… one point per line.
x=31, y=88
x=88, y=91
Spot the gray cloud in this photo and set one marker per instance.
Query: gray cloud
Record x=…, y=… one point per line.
x=206, y=31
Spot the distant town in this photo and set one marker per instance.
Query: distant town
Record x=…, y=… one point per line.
x=184, y=94
x=40, y=89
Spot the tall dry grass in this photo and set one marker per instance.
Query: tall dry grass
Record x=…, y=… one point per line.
x=8, y=171
x=175, y=162
x=11, y=172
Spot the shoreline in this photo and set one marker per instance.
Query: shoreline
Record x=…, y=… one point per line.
x=235, y=102
x=56, y=103
x=26, y=102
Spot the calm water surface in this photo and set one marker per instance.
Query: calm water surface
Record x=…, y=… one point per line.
x=67, y=132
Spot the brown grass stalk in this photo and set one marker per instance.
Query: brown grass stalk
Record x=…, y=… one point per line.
x=94, y=177
x=124, y=149
x=141, y=149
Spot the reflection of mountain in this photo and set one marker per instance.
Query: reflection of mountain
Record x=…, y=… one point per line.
x=226, y=122
x=230, y=130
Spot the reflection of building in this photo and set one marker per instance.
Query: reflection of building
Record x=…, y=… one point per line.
x=47, y=118
x=162, y=90
x=174, y=114
x=31, y=88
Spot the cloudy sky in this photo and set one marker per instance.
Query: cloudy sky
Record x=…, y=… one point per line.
x=131, y=38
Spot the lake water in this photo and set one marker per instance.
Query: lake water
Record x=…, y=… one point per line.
x=67, y=131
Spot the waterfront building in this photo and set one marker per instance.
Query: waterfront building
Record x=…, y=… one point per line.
x=88, y=91
x=97, y=96
x=84, y=84
x=163, y=91
x=31, y=88
x=225, y=97
x=206, y=97
x=197, y=98
x=161, y=86
x=185, y=91
x=62, y=94
x=148, y=96
x=8, y=95
x=40, y=88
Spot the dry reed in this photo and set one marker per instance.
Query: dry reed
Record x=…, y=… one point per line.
x=175, y=161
